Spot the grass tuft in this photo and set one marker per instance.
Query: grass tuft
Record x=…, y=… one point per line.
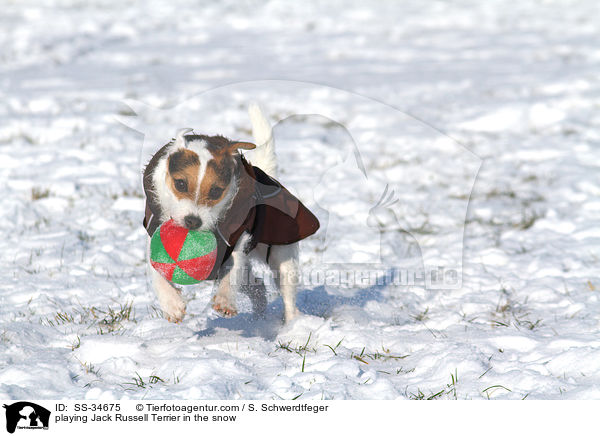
x=105, y=320
x=510, y=313
x=448, y=391
x=422, y=317
x=491, y=389
x=39, y=193
x=139, y=382
x=364, y=357
x=334, y=348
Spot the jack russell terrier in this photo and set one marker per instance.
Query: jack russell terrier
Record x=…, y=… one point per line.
x=204, y=183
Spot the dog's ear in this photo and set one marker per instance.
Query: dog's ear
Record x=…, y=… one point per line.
x=234, y=145
x=179, y=136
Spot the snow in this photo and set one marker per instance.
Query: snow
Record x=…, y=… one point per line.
x=479, y=118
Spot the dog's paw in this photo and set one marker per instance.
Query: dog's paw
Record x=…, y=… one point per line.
x=223, y=306
x=173, y=308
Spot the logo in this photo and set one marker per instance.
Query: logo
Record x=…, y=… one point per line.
x=25, y=415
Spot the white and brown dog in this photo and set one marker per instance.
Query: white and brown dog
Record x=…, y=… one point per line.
x=204, y=183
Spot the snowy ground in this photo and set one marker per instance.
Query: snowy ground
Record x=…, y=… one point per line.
x=516, y=83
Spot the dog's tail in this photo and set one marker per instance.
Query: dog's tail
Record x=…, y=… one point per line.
x=263, y=156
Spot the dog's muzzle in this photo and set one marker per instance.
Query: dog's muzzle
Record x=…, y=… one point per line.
x=192, y=222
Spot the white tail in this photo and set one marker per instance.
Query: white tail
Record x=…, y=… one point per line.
x=263, y=156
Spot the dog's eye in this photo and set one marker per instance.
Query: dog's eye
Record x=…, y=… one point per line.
x=181, y=185
x=215, y=192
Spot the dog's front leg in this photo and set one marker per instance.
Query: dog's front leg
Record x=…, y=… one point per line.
x=169, y=297
x=170, y=300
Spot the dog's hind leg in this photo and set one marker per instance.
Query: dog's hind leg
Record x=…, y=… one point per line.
x=283, y=261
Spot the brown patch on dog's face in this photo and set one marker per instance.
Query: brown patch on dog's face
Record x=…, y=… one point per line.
x=182, y=174
x=217, y=177
x=184, y=167
x=220, y=169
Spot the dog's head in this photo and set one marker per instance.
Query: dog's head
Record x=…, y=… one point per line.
x=196, y=180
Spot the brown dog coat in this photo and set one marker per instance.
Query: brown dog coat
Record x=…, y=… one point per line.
x=262, y=207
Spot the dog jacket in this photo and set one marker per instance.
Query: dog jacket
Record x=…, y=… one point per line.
x=262, y=207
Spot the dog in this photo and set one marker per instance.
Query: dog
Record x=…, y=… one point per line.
x=204, y=183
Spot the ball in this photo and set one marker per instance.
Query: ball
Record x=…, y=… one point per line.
x=183, y=256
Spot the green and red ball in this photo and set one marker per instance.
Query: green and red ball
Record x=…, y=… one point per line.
x=181, y=255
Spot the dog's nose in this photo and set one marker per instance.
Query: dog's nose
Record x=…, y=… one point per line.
x=192, y=222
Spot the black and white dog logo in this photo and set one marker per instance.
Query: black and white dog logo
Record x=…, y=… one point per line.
x=25, y=415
